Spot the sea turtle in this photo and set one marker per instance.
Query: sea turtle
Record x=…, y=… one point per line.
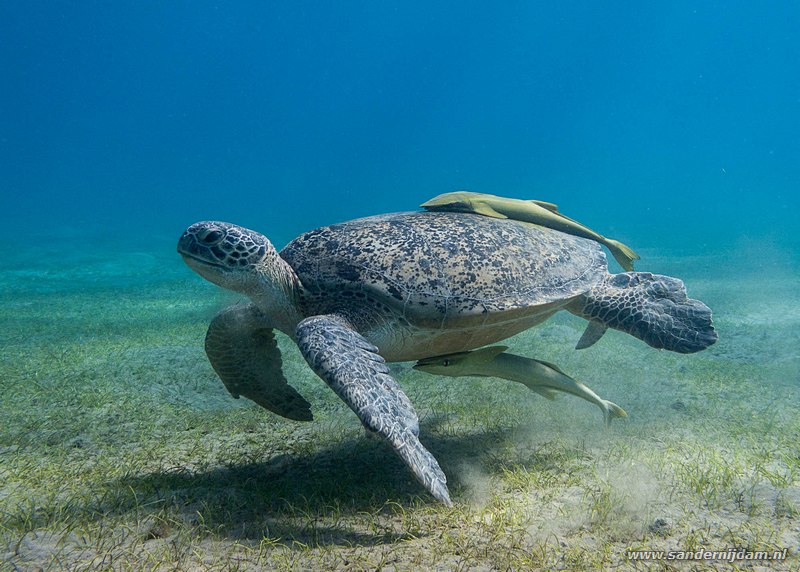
x=408, y=286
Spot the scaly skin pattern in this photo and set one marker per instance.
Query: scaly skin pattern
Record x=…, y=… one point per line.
x=351, y=366
x=242, y=349
x=652, y=307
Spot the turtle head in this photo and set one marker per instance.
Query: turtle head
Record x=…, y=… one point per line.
x=228, y=255
x=245, y=261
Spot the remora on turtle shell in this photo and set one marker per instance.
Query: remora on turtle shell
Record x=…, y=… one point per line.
x=532, y=211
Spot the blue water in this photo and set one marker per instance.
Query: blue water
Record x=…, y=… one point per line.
x=670, y=125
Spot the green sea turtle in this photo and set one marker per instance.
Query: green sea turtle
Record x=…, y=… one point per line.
x=540, y=376
x=536, y=212
x=408, y=286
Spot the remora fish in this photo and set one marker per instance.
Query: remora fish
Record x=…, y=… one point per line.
x=532, y=211
x=542, y=377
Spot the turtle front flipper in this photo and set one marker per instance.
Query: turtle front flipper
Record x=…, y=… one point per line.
x=352, y=367
x=242, y=350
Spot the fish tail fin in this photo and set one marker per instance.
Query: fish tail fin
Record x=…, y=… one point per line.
x=612, y=411
x=622, y=254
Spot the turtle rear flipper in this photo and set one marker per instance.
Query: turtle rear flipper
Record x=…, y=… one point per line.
x=242, y=350
x=652, y=307
x=351, y=366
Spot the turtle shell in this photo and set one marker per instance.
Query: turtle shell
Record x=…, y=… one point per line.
x=442, y=269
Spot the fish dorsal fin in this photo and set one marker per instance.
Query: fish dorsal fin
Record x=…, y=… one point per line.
x=553, y=208
x=594, y=331
x=551, y=366
x=486, y=355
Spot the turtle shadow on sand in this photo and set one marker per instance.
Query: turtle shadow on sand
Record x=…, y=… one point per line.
x=336, y=496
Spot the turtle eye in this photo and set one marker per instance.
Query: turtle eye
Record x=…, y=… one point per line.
x=211, y=236
x=446, y=362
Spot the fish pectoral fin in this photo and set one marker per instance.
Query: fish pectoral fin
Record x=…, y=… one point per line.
x=550, y=365
x=545, y=392
x=594, y=331
x=485, y=209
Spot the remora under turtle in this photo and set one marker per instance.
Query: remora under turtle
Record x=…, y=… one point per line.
x=409, y=286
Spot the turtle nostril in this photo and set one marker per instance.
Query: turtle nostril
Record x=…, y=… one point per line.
x=211, y=236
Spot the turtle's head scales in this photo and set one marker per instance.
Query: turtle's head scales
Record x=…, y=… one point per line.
x=224, y=253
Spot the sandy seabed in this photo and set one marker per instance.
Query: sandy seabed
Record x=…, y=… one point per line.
x=120, y=449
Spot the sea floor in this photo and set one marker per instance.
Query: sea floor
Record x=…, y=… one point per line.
x=120, y=449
